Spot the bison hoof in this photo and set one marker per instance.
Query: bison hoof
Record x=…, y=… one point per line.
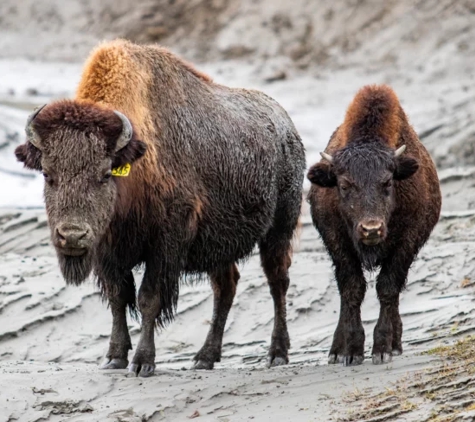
x=334, y=358
x=381, y=358
x=349, y=360
x=396, y=352
x=203, y=364
x=141, y=370
x=117, y=363
x=277, y=361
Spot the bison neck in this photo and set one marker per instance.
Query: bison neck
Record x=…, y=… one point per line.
x=371, y=256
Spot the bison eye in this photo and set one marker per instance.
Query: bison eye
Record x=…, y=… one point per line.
x=345, y=187
x=388, y=183
x=106, y=177
x=48, y=178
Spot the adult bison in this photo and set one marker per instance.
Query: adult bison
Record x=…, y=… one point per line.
x=152, y=163
x=375, y=198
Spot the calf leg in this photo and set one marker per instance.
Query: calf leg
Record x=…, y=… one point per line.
x=157, y=299
x=119, y=296
x=349, y=337
x=388, y=331
x=224, y=284
x=276, y=260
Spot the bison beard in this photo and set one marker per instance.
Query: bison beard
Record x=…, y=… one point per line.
x=221, y=172
x=376, y=179
x=75, y=269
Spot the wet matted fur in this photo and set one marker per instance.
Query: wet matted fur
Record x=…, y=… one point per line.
x=214, y=171
x=373, y=209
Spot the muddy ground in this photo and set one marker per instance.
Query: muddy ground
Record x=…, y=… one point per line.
x=311, y=57
x=52, y=337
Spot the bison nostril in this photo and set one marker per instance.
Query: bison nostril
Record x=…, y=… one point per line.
x=60, y=235
x=371, y=229
x=82, y=235
x=70, y=236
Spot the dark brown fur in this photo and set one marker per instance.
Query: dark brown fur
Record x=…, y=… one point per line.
x=215, y=171
x=367, y=186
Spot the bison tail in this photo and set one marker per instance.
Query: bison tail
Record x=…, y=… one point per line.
x=373, y=114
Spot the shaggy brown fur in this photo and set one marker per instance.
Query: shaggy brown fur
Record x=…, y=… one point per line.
x=221, y=171
x=373, y=209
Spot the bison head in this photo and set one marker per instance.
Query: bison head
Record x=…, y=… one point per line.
x=364, y=175
x=76, y=145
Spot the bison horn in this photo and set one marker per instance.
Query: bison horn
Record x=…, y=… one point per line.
x=327, y=157
x=400, y=151
x=126, y=134
x=31, y=134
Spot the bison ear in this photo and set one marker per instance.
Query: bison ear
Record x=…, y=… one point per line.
x=131, y=152
x=29, y=155
x=321, y=174
x=405, y=167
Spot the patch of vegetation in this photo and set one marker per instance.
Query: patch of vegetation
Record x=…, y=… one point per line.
x=443, y=393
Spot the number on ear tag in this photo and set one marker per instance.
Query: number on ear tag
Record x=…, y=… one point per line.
x=122, y=171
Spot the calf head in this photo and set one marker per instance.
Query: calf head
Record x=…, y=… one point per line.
x=76, y=144
x=363, y=175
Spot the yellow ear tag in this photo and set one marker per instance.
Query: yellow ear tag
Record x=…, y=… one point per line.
x=122, y=171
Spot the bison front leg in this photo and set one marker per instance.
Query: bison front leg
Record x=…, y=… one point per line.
x=224, y=284
x=119, y=296
x=157, y=300
x=388, y=330
x=349, y=337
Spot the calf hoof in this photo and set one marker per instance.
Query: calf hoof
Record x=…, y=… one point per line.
x=276, y=361
x=141, y=370
x=346, y=360
x=116, y=363
x=381, y=358
x=203, y=364
x=396, y=352
x=334, y=359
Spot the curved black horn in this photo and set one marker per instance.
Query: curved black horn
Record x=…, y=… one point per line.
x=126, y=134
x=31, y=135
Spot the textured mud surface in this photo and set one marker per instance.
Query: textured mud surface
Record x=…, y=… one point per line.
x=52, y=337
x=311, y=57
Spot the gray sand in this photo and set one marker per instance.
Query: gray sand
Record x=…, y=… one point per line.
x=52, y=337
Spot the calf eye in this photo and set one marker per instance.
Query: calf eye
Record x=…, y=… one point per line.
x=388, y=183
x=106, y=177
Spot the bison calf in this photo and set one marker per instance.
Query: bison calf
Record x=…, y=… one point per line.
x=375, y=198
x=152, y=163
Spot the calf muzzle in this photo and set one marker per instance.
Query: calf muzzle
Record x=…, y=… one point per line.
x=371, y=232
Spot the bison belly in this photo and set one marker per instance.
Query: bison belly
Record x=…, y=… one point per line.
x=230, y=238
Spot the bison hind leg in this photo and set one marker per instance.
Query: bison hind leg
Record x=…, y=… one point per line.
x=223, y=282
x=276, y=251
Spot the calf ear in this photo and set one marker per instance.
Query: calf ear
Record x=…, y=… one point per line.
x=321, y=174
x=131, y=152
x=29, y=155
x=405, y=167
